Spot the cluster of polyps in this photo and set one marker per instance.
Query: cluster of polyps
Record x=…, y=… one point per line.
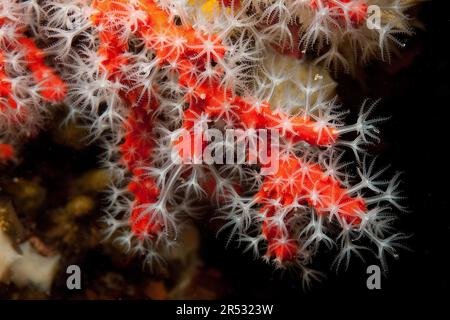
x=26, y=82
x=141, y=72
x=340, y=34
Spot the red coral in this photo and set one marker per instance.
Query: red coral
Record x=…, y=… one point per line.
x=136, y=153
x=306, y=183
x=49, y=85
x=188, y=51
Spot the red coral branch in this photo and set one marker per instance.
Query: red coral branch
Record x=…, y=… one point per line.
x=7, y=152
x=51, y=87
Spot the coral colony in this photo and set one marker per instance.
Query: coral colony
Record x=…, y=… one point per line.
x=26, y=82
x=167, y=86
